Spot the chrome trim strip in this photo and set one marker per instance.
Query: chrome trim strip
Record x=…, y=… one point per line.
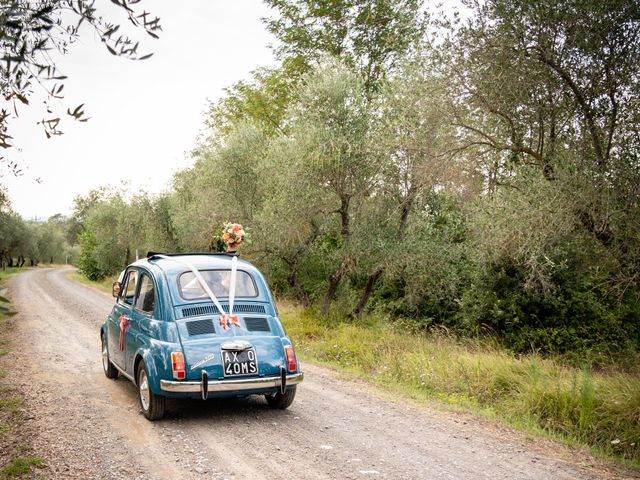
x=123, y=372
x=230, y=385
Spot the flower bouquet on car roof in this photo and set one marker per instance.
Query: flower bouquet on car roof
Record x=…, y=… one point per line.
x=232, y=235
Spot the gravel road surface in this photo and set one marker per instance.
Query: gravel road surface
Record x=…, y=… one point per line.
x=89, y=427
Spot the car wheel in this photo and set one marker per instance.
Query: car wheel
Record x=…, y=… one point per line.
x=152, y=405
x=110, y=369
x=282, y=400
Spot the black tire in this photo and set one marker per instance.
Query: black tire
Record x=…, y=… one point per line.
x=109, y=368
x=152, y=405
x=280, y=400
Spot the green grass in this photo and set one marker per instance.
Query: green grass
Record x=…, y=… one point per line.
x=19, y=466
x=10, y=272
x=104, y=285
x=11, y=405
x=597, y=410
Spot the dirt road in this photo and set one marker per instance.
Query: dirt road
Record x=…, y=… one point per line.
x=90, y=427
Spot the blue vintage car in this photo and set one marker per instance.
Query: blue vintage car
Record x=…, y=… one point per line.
x=197, y=326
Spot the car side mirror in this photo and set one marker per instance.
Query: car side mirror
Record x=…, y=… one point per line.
x=115, y=289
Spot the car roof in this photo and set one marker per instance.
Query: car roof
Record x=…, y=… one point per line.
x=177, y=263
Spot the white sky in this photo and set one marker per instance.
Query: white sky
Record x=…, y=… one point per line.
x=146, y=115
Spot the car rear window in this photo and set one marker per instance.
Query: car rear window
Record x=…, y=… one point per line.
x=218, y=281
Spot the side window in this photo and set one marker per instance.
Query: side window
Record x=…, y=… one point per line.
x=129, y=290
x=146, y=297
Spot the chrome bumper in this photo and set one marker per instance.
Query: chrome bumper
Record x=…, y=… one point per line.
x=230, y=385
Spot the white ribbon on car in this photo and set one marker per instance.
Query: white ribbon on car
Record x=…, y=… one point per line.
x=205, y=286
x=232, y=286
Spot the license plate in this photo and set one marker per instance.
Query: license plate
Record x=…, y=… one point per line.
x=239, y=363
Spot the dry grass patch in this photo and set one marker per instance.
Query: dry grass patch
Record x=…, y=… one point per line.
x=600, y=410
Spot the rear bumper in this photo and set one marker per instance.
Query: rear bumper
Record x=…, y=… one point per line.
x=234, y=385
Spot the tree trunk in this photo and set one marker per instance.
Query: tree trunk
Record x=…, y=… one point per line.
x=344, y=217
x=334, y=281
x=299, y=291
x=602, y=233
x=368, y=290
x=127, y=257
x=405, y=210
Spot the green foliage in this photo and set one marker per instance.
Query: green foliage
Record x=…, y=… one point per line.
x=584, y=323
x=483, y=179
x=427, y=278
x=368, y=36
x=87, y=262
x=37, y=242
x=118, y=227
x=11, y=404
x=261, y=101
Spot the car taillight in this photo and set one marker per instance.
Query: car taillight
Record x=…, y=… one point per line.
x=177, y=365
x=291, y=358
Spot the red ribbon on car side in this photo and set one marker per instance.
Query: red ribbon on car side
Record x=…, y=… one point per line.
x=124, y=326
x=225, y=320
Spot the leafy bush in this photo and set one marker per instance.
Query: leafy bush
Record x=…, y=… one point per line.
x=576, y=318
x=87, y=262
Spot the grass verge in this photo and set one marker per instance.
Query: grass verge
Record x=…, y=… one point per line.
x=19, y=467
x=104, y=285
x=16, y=456
x=595, y=409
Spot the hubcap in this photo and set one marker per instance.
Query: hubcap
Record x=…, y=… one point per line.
x=144, y=390
x=105, y=356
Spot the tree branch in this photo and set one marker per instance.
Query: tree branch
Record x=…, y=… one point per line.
x=587, y=111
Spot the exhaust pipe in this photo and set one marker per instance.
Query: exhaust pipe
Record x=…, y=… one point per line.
x=283, y=380
x=204, y=386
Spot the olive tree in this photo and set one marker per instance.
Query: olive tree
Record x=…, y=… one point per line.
x=327, y=152
x=368, y=36
x=413, y=139
x=223, y=184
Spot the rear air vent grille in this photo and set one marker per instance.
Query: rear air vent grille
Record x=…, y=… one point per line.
x=212, y=310
x=245, y=308
x=257, y=324
x=201, y=310
x=200, y=327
